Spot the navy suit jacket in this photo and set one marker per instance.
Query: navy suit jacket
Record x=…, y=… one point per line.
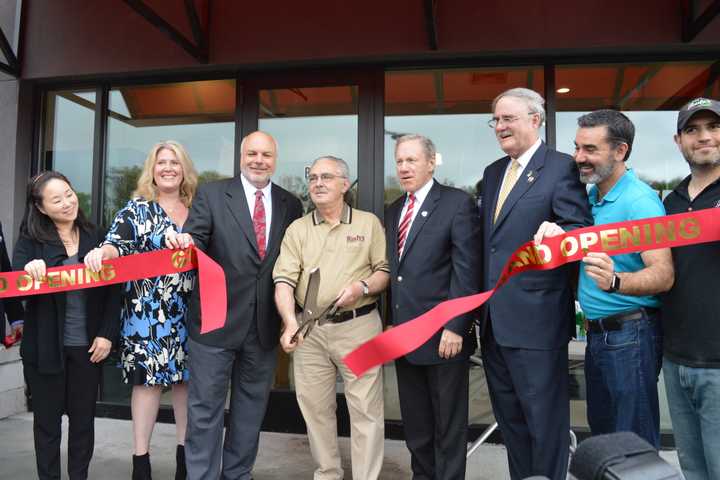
x=12, y=307
x=221, y=225
x=440, y=261
x=534, y=309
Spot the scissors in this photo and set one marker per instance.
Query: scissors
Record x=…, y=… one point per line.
x=312, y=314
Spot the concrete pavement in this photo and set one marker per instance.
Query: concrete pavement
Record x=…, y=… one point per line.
x=281, y=456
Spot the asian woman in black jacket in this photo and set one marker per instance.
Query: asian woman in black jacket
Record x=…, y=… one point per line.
x=66, y=335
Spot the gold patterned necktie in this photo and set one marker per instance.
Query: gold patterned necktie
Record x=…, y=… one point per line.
x=507, y=186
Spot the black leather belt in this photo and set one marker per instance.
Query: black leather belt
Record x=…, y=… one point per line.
x=615, y=322
x=341, y=317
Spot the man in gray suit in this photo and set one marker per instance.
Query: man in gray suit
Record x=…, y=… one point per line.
x=239, y=223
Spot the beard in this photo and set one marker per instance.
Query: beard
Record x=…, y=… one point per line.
x=599, y=173
x=701, y=162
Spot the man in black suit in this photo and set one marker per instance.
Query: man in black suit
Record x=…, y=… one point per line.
x=526, y=325
x=239, y=223
x=10, y=307
x=433, y=249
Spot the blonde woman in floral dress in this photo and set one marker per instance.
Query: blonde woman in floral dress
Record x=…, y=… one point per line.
x=153, y=336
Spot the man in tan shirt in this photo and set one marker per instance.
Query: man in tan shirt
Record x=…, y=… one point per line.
x=348, y=246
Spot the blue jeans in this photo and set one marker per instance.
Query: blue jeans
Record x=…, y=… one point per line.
x=694, y=399
x=621, y=372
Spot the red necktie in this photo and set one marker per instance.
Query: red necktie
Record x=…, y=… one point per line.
x=259, y=223
x=405, y=224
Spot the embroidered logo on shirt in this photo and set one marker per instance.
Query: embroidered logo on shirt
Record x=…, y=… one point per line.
x=355, y=238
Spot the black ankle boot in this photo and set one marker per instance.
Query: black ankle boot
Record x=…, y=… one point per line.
x=180, y=469
x=141, y=467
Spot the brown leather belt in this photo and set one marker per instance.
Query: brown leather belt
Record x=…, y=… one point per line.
x=341, y=317
x=615, y=322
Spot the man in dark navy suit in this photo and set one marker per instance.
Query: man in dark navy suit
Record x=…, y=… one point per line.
x=525, y=326
x=433, y=240
x=10, y=307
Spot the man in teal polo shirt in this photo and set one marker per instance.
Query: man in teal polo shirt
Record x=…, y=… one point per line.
x=619, y=294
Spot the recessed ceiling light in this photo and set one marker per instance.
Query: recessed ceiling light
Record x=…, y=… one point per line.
x=563, y=90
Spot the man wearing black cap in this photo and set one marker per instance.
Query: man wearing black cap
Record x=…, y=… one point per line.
x=691, y=318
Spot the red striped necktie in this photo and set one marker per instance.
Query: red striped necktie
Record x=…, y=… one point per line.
x=259, y=223
x=405, y=224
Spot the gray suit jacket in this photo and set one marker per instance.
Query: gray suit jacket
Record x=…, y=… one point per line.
x=221, y=225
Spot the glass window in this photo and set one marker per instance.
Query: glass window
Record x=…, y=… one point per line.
x=452, y=108
x=68, y=142
x=199, y=115
x=308, y=123
x=650, y=94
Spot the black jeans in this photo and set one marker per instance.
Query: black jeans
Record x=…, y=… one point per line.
x=73, y=391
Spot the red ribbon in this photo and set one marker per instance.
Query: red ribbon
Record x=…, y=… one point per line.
x=213, y=293
x=613, y=238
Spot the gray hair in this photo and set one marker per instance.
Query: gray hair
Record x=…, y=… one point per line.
x=532, y=99
x=427, y=145
x=339, y=163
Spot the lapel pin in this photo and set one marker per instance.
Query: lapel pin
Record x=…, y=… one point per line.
x=423, y=213
x=530, y=177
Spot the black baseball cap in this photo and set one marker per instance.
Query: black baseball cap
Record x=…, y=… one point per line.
x=695, y=106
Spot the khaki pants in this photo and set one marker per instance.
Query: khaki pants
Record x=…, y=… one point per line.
x=316, y=364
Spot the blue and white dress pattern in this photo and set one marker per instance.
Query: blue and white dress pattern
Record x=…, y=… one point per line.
x=154, y=334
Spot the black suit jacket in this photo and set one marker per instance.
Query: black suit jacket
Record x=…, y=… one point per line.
x=43, y=331
x=221, y=225
x=12, y=307
x=441, y=260
x=533, y=309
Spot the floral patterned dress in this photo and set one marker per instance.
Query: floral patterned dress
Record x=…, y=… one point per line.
x=154, y=335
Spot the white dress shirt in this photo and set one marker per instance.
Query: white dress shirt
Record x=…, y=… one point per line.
x=524, y=159
x=420, y=195
x=250, y=190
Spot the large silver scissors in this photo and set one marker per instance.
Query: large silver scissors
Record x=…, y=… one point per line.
x=312, y=314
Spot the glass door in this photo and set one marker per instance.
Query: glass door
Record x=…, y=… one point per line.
x=311, y=115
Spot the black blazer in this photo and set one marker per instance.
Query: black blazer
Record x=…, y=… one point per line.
x=12, y=307
x=533, y=309
x=221, y=226
x=45, y=314
x=441, y=261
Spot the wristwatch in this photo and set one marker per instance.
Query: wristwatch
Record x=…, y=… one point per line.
x=366, y=288
x=614, y=284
